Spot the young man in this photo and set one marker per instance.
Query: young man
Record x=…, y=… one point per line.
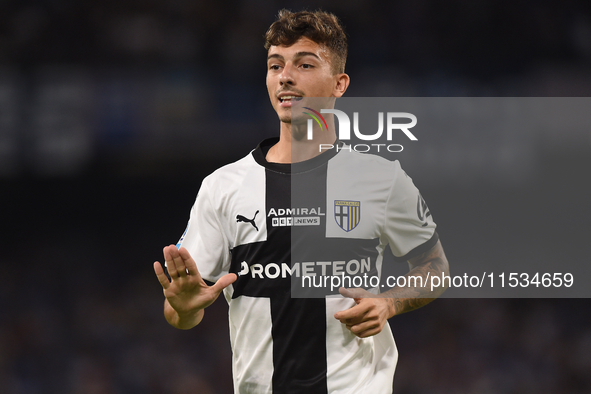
x=238, y=242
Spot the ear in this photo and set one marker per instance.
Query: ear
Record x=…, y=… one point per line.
x=342, y=83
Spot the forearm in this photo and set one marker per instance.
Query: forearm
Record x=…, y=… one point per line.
x=408, y=298
x=183, y=321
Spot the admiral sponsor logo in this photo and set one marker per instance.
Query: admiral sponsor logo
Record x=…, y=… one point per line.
x=287, y=217
x=306, y=268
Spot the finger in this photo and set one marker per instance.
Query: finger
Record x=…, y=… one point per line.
x=356, y=293
x=189, y=263
x=363, y=326
x=170, y=265
x=224, y=282
x=164, y=282
x=352, y=315
x=368, y=328
x=179, y=262
x=368, y=333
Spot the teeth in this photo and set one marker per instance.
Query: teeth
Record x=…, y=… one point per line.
x=288, y=98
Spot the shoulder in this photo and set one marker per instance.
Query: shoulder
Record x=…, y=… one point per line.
x=367, y=165
x=231, y=173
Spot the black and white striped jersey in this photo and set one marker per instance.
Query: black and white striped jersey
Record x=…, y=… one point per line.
x=268, y=223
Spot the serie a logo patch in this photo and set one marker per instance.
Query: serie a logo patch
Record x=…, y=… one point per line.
x=347, y=214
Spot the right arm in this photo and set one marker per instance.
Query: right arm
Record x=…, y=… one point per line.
x=186, y=293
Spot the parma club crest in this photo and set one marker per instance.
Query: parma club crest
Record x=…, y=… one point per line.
x=347, y=214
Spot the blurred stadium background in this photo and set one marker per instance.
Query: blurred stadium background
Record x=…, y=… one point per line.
x=112, y=112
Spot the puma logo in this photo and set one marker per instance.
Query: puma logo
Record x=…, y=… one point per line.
x=240, y=218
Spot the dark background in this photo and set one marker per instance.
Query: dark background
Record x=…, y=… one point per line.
x=112, y=112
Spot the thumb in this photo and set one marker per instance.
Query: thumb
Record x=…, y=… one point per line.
x=355, y=293
x=224, y=282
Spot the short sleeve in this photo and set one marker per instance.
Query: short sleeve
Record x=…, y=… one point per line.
x=204, y=238
x=409, y=225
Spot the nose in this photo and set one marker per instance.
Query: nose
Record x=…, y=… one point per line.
x=286, y=77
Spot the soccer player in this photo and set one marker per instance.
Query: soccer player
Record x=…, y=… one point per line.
x=241, y=238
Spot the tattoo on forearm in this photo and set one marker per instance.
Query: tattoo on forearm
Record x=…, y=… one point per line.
x=404, y=299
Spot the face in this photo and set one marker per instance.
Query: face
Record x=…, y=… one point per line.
x=300, y=70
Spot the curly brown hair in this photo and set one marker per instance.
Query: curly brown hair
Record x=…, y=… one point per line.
x=321, y=27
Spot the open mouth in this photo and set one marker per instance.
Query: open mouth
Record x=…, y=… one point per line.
x=288, y=99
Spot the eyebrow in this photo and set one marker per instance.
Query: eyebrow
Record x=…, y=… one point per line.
x=298, y=55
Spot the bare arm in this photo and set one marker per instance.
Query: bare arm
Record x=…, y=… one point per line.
x=372, y=311
x=405, y=299
x=186, y=294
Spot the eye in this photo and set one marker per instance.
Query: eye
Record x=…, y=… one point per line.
x=274, y=67
x=307, y=66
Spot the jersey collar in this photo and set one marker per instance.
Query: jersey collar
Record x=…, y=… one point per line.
x=260, y=154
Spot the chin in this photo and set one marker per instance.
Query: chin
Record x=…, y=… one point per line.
x=285, y=118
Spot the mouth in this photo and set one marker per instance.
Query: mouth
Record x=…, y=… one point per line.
x=289, y=99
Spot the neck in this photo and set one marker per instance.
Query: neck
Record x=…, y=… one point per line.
x=295, y=147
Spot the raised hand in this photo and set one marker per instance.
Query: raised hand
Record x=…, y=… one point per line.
x=186, y=292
